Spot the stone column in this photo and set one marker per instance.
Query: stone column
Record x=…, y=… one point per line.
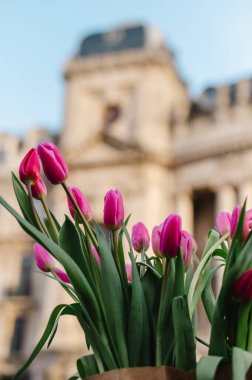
x=245, y=191
x=225, y=201
x=243, y=91
x=184, y=207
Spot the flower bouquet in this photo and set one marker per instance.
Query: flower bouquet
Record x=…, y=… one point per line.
x=139, y=312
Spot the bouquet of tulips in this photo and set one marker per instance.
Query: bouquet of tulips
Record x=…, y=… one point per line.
x=137, y=310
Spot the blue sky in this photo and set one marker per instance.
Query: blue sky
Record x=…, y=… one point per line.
x=211, y=39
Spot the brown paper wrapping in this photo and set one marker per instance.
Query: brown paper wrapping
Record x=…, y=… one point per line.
x=161, y=373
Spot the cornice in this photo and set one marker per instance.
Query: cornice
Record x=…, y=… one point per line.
x=204, y=151
x=124, y=58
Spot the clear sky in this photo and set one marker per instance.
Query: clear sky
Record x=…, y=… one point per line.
x=211, y=39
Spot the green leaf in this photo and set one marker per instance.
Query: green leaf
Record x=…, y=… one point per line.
x=211, y=245
x=243, y=324
x=122, y=272
x=208, y=300
x=221, y=253
x=42, y=341
x=164, y=326
x=70, y=242
x=150, y=268
x=78, y=280
x=87, y=366
x=151, y=286
x=218, y=341
x=207, y=367
x=188, y=280
x=237, y=241
x=68, y=310
x=23, y=199
x=75, y=376
x=213, y=237
x=179, y=289
x=121, y=252
x=138, y=338
x=207, y=276
x=241, y=363
x=94, y=330
x=158, y=266
x=185, y=348
x=113, y=299
x=50, y=230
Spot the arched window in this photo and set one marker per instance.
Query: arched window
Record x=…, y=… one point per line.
x=112, y=113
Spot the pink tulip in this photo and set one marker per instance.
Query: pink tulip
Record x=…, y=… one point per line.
x=54, y=165
x=62, y=275
x=81, y=202
x=43, y=259
x=223, y=222
x=29, y=169
x=140, y=237
x=129, y=272
x=39, y=190
x=96, y=255
x=170, y=236
x=243, y=287
x=155, y=239
x=113, y=209
x=234, y=221
x=249, y=217
x=188, y=247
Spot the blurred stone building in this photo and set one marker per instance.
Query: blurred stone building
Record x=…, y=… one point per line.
x=130, y=123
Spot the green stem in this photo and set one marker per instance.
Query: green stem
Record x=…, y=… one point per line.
x=50, y=219
x=242, y=326
x=81, y=216
x=199, y=270
x=249, y=342
x=116, y=256
x=142, y=269
x=34, y=211
x=65, y=287
x=159, y=329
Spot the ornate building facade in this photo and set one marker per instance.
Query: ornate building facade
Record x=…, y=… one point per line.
x=129, y=123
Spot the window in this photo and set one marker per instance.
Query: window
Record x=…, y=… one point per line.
x=24, y=287
x=210, y=97
x=18, y=335
x=2, y=155
x=250, y=90
x=25, y=278
x=111, y=115
x=232, y=94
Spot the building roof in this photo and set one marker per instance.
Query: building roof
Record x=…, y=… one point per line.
x=123, y=38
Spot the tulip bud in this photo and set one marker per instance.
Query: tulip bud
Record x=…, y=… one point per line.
x=234, y=221
x=223, y=222
x=96, y=255
x=81, y=202
x=62, y=275
x=129, y=272
x=113, y=209
x=54, y=165
x=188, y=247
x=155, y=239
x=29, y=169
x=140, y=237
x=249, y=217
x=243, y=287
x=43, y=259
x=170, y=236
x=39, y=190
